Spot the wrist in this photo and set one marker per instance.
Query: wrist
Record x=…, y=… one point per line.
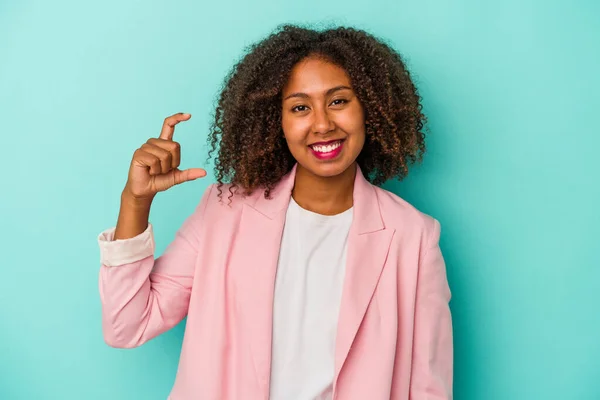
x=131, y=201
x=133, y=216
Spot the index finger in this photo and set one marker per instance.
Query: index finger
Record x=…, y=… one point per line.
x=169, y=125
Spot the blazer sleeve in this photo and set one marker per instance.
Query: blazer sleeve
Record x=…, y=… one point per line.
x=141, y=296
x=432, y=360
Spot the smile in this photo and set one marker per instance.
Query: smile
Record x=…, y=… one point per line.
x=328, y=150
x=328, y=147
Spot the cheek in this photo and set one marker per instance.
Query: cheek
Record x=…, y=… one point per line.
x=354, y=121
x=294, y=129
x=356, y=127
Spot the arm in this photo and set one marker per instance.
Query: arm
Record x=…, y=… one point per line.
x=142, y=297
x=432, y=362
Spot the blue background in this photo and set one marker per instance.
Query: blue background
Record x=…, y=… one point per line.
x=511, y=89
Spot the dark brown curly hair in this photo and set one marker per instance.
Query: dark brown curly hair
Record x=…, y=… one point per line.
x=252, y=151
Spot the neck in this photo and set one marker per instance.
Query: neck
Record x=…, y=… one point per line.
x=324, y=195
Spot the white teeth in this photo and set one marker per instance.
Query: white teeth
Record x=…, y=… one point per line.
x=328, y=148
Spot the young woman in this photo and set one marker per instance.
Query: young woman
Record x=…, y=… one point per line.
x=300, y=278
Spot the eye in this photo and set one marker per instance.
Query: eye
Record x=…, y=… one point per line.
x=338, y=102
x=299, y=108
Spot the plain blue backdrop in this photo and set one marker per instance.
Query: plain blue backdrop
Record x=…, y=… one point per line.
x=511, y=89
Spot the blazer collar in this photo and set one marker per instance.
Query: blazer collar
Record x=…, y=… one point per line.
x=367, y=214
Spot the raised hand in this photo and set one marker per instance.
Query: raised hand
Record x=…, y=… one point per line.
x=154, y=167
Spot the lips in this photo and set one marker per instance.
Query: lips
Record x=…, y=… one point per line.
x=327, y=150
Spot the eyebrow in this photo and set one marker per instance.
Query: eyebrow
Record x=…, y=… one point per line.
x=304, y=95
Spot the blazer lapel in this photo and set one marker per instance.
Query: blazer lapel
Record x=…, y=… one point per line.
x=254, y=259
x=368, y=245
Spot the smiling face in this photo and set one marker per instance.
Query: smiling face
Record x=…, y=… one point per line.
x=322, y=119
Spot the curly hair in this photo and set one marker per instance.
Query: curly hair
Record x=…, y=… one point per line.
x=247, y=130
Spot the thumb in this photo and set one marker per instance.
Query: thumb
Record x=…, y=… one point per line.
x=188, y=175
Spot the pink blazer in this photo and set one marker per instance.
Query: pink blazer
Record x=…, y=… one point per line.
x=394, y=337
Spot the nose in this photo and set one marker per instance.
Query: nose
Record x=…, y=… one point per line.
x=322, y=122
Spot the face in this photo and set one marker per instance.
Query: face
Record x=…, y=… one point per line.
x=322, y=119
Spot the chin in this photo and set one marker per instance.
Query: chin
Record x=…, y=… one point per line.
x=328, y=170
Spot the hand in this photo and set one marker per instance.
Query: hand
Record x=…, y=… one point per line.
x=154, y=165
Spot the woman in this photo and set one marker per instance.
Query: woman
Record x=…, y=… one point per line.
x=300, y=278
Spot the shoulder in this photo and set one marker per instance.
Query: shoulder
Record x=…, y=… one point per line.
x=225, y=201
x=224, y=198
x=398, y=213
x=218, y=210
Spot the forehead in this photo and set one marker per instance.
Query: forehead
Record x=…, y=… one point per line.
x=315, y=75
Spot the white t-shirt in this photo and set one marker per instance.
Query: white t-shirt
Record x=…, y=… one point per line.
x=308, y=292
